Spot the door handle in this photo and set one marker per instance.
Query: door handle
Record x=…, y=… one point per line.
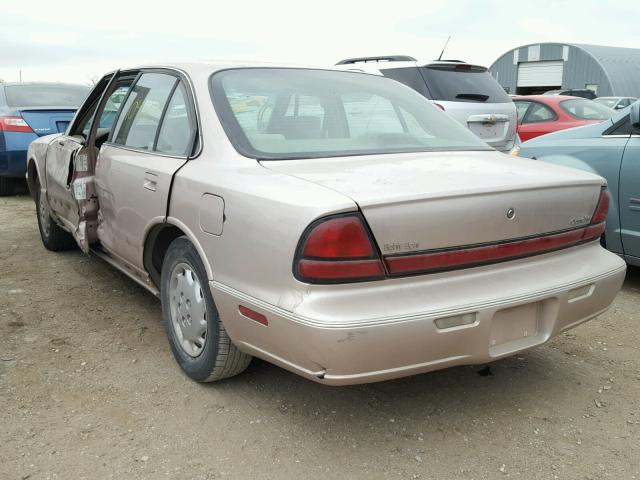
x=150, y=181
x=634, y=204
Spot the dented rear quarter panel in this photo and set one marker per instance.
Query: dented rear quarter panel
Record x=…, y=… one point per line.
x=37, y=153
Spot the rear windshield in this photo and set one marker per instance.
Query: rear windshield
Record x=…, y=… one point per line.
x=584, y=109
x=286, y=113
x=463, y=84
x=45, y=95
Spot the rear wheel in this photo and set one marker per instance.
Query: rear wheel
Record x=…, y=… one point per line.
x=7, y=186
x=199, y=342
x=53, y=237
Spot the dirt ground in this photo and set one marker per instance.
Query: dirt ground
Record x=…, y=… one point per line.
x=89, y=390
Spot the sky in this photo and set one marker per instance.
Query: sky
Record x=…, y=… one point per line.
x=79, y=41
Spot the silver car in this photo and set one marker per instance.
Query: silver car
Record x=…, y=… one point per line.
x=334, y=223
x=617, y=103
x=466, y=92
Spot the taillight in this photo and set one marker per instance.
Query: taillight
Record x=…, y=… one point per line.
x=14, y=124
x=337, y=249
x=600, y=215
x=597, y=226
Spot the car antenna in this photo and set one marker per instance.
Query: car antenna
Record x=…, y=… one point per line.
x=443, y=48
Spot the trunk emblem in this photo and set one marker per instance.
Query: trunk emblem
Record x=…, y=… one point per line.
x=511, y=213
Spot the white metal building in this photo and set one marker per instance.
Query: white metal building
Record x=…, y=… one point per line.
x=536, y=68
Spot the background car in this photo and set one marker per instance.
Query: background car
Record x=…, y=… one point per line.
x=617, y=103
x=574, y=92
x=542, y=114
x=612, y=150
x=466, y=92
x=29, y=111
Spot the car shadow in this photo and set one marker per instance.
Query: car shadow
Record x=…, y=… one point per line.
x=532, y=382
x=632, y=281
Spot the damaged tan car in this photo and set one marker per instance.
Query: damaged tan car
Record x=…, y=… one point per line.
x=333, y=223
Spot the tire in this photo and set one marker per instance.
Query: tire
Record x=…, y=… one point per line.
x=204, y=357
x=7, y=186
x=53, y=237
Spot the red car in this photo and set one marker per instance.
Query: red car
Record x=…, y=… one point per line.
x=540, y=114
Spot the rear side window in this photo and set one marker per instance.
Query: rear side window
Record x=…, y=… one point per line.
x=178, y=129
x=622, y=127
x=411, y=77
x=45, y=95
x=140, y=118
x=522, y=109
x=463, y=83
x=584, y=109
x=539, y=113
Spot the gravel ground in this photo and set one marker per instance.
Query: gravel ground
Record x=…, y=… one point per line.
x=89, y=389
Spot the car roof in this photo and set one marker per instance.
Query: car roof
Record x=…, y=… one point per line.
x=217, y=65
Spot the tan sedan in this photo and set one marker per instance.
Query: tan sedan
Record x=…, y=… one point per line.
x=341, y=227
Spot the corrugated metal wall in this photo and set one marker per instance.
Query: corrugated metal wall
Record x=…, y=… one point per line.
x=579, y=70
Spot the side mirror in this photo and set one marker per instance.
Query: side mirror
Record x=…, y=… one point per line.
x=635, y=115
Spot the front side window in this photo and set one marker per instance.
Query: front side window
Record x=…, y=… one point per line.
x=140, y=118
x=584, y=109
x=607, y=101
x=285, y=113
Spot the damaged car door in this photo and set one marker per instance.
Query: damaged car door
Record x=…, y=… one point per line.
x=154, y=134
x=71, y=159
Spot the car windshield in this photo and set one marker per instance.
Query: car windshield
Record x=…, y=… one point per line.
x=287, y=113
x=45, y=95
x=584, y=109
x=608, y=102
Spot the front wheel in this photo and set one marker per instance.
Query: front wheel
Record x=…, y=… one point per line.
x=198, y=340
x=53, y=237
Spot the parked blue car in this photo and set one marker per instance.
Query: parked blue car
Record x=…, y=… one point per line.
x=29, y=111
x=612, y=150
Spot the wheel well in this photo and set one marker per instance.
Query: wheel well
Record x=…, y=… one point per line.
x=31, y=178
x=156, y=247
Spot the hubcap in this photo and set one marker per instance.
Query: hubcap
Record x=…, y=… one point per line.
x=188, y=309
x=43, y=211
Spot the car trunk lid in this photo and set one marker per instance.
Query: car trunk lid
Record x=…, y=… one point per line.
x=45, y=121
x=431, y=201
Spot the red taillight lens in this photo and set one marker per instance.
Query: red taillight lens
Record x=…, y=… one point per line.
x=600, y=215
x=343, y=237
x=14, y=124
x=337, y=249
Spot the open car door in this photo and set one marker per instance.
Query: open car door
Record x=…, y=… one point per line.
x=71, y=159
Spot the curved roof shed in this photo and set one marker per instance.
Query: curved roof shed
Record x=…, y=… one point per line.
x=535, y=68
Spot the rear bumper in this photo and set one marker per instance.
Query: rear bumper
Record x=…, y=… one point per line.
x=388, y=329
x=13, y=153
